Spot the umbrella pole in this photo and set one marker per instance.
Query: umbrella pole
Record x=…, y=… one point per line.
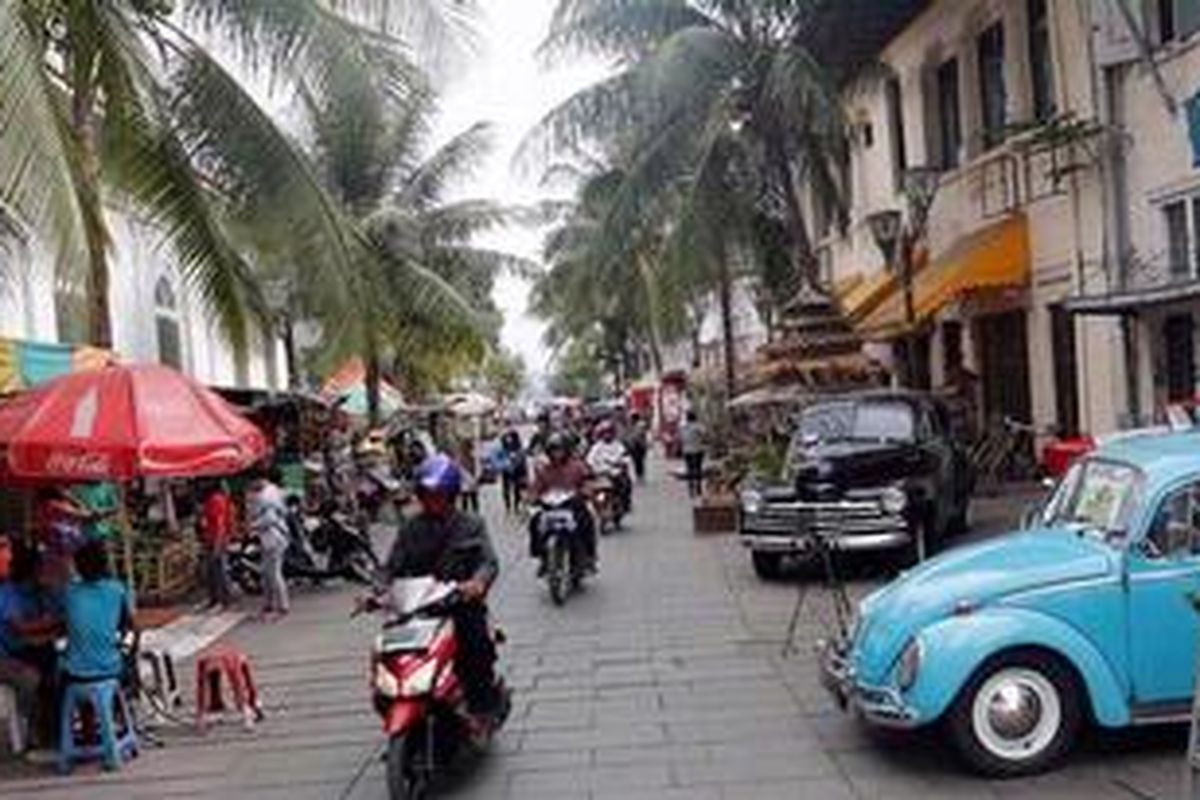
x=126, y=526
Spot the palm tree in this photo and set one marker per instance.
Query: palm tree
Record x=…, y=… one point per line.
x=724, y=114
x=369, y=145
x=116, y=102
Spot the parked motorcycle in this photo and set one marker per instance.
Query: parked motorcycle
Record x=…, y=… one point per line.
x=416, y=691
x=563, y=559
x=375, y=487
x=321, y=547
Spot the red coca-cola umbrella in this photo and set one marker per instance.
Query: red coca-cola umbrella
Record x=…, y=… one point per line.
x=123, y=422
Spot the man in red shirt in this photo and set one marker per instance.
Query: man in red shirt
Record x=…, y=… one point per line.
x=216, y=529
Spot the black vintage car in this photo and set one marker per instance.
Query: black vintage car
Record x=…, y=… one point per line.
x=869, y=472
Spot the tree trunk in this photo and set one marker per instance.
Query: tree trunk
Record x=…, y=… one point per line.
x=289, y=353
x=805, y=260
x=83, y=128
x=372, y=380
x=725, y=295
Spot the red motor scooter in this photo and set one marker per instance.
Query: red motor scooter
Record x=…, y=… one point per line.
x=416, y=691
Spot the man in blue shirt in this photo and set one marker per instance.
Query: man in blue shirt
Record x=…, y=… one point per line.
x=96, y=607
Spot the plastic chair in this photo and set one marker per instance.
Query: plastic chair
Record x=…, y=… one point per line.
x=228, y=665
x=158, y=680
x=106, y=699
x=10, y=710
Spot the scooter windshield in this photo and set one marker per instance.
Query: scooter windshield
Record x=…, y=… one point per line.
x=412, y=594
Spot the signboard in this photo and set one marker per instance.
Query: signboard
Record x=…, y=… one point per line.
x=1114, y=41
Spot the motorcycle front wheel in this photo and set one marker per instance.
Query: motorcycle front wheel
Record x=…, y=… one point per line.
x=405, y=779
x=556, y=569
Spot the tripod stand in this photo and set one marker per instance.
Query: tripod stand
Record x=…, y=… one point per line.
x=824, y=547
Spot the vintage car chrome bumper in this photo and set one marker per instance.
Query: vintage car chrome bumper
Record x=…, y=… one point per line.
x=850, y=525
x=880, y=705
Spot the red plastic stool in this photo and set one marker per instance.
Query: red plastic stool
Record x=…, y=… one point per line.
x=230, y=664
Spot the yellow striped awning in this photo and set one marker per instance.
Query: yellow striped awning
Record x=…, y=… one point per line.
x=995, y=257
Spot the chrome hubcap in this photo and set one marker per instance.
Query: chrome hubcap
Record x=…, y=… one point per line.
x=1017, y=713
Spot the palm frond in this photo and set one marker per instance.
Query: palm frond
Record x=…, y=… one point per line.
x=625, y=28
x=456, y=159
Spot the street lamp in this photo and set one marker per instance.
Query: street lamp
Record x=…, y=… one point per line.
x=896, y=234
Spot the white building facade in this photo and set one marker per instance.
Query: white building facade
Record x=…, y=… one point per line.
x=156, y=316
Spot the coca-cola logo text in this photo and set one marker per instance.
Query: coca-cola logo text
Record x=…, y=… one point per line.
x=67, y=463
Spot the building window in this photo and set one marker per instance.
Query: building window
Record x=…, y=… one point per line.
x=166, y=323
x=1177, y=19
x=949, y=114
x=895, y=112
x=993, y=97
x=1041, y=63
x=1178, y=339
x=1182, y=221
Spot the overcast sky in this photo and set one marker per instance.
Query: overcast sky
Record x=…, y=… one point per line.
x=506, y=85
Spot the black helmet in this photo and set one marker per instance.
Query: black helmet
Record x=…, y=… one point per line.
x=557, y=441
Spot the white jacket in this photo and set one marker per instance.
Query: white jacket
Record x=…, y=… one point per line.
x=607, y=457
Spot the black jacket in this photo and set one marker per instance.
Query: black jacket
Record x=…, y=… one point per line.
x=456, y=548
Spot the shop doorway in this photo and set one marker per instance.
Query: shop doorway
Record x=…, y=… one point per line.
x=1004, y=362
x=1179, y=342
x=1066, y=371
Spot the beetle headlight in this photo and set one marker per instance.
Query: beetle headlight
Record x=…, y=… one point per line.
x=909, y=665
x=752, y=501
x=893, y=500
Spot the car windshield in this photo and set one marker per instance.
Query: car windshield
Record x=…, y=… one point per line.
x=1097, y=494
x=871, y=420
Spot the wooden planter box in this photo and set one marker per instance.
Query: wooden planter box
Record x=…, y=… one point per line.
x=715, y=514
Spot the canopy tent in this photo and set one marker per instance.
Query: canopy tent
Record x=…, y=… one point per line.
x=469, y=404
x=347, y=389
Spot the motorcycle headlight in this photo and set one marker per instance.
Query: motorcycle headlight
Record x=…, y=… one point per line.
x=385, y=682
x=893, y=500
x=752, y=501
x=909, y=665
x=420, y=680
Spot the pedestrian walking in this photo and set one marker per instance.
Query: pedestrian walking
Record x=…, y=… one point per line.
x=216, y=530
x=468, y=464
x=637, y=443
x=267, y=514
x=514, y=470
x=691, y=439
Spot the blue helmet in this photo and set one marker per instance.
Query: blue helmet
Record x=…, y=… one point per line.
x=439, y=473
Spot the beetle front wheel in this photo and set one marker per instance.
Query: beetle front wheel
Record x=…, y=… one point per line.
x=1018, y=716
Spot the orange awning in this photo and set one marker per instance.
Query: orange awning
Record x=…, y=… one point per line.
x=993, y=258
x=859, y=294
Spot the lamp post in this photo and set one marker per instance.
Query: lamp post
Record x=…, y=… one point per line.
x=896, y=235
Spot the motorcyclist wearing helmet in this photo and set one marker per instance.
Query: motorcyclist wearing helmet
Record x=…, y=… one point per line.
x=608, y=457
x=562, y=470
x=453, y=546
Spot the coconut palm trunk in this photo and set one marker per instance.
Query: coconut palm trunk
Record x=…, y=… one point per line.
x=804, y=258
x=88, y=191
x=725, y=298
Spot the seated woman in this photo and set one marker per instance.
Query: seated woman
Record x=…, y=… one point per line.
x=96, y=607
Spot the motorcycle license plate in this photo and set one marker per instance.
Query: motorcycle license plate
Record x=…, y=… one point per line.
x=412, y=636
x=560, y=520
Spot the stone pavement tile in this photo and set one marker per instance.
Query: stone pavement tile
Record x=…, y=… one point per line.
x=636, y=734
x=751, y=767
x=817, y=789
x=671, y=754
x=673, y=793
x=718, y=731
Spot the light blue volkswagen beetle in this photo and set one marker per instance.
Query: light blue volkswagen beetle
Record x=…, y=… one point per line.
x=1084, y=617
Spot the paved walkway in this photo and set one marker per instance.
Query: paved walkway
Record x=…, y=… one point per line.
x=663, y=680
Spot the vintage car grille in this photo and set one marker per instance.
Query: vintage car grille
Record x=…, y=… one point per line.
x=844, y=518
